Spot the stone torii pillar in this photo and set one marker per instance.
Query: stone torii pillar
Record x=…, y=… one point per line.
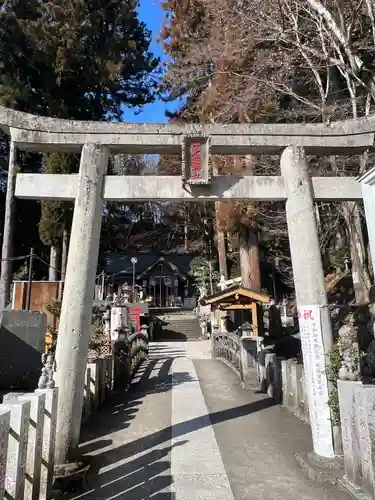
x=76, y=311
x=367, y=182
x=7, y=248
x=313, y=313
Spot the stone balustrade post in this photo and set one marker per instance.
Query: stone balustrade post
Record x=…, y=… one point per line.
x=17, y=449
x=248, y=362
x=293, y=386
x=87, y=394
x=273, y=374
x=4, y=439
x=49, y=440
x=284, y=378
x=35, y=443
x=365, y=398
x=109, y=374
x=8, y=230
x=262, y=374
x=102, y=374
x=76, y=309
x=94, y=384
x=357, y=402
x=314, y=316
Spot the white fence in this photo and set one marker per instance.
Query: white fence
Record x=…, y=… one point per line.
x=28, y=431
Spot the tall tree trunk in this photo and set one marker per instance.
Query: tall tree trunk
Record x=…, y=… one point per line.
x=360, y=273
x=249, y=258
x=244, y=256
x=186, y=234
x=53, y=263
x=339, y=243
x=64, y=253
x=254, y=259
x=221, y=244
x=222, y=251
x=9, y=220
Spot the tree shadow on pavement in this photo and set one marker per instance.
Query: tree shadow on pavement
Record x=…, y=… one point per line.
x=121, y=408
x=160, y=350
x=140, y=469
x=167, y=335
x=141, y=478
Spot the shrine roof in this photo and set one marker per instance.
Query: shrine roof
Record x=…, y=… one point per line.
x=235, y=294
x=120, y=262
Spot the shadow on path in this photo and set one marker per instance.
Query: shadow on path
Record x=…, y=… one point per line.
x=167, y=335
x=141, y=468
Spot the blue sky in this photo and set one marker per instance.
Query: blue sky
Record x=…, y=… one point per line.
x=152, y=14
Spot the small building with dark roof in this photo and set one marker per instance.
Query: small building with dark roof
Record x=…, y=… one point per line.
x=164, y=278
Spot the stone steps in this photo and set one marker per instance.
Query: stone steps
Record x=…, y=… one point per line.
x=180, y=328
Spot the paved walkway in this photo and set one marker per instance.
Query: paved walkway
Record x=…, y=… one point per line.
x=187, y=431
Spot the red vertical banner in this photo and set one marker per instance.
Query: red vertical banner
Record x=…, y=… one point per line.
x=195, y=161
x=135, y=317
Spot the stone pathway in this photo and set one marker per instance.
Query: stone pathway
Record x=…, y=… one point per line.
x=187, y=431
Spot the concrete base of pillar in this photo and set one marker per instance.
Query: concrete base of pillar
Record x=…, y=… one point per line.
x=355, y=493
x=320, y=469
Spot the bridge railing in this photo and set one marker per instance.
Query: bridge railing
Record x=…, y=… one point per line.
x=239, y=353
x=259, y=369
x=227, y=346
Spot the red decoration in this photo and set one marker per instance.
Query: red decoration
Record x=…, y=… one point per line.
x=195, y=151
x=135, y=317
x=305, y=314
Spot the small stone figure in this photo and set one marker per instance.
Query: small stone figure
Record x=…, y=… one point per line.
x=349, y=350
x=46, y=379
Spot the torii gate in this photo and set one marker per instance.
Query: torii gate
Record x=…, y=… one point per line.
x=195, y=143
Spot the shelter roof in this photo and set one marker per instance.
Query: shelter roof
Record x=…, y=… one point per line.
x=235, y=297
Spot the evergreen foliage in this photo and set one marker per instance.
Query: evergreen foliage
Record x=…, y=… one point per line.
x=74, y=59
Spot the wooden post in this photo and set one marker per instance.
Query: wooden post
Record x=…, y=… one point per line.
x=254, y=315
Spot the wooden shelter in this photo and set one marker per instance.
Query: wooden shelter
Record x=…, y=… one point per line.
x=238, y=298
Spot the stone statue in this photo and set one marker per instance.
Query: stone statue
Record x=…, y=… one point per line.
x=349, y=350
x=49, y=367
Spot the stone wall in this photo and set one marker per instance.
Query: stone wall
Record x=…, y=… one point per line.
x=284, y=380
x=22, y=342
x=357, y=415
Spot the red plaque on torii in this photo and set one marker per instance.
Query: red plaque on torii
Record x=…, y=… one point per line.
x=196, y=159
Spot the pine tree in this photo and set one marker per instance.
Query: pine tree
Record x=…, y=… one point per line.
x=76, y=59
